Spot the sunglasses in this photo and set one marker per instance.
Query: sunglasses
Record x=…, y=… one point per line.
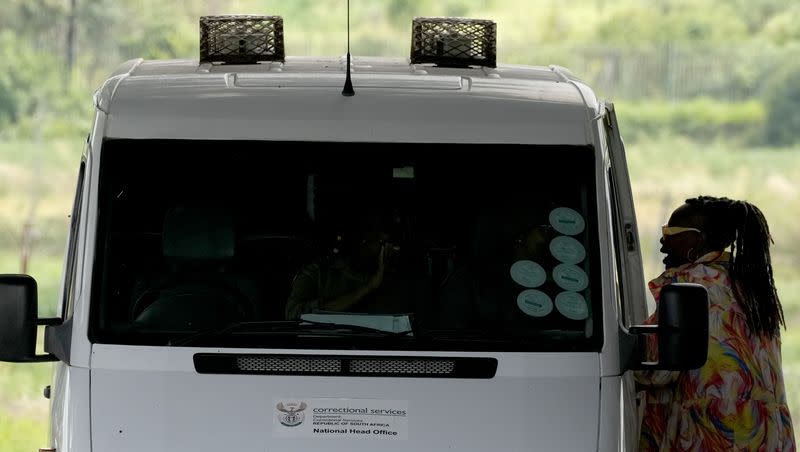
x=672, y=230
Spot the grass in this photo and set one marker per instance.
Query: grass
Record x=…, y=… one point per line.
x=23, y=408
x=22, y=386
x=21, y=433
x=664, y=170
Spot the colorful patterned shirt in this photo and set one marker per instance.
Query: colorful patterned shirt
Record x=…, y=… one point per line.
x=737, y=400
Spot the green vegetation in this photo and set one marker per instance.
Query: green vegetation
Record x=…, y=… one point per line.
x=783, y=97
x=703, y=119
x=21, y=433
x=23, y=409
x=637, y=50
x=22, y=388
x=707, y=93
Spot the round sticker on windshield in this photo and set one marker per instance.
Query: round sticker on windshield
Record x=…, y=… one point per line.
x=572, y=305
x=570, y=277
x=567, y=250
x=534, y=302
x=528, y=274
x=566, y=221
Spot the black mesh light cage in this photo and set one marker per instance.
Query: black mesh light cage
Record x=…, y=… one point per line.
x=241, y=39
x=452, y=41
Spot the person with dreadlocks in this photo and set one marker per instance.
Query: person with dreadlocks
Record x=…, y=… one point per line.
x=737, y=400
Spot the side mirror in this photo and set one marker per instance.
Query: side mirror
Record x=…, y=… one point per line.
x=682, y=330
x=18, y=320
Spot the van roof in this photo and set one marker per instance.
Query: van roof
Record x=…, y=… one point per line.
x=394, y=101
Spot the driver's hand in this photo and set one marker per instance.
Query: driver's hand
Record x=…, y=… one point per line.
x=377, y=279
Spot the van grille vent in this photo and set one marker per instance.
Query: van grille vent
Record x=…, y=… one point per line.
x=393, y=366
x=345, y=366
x=268, y=364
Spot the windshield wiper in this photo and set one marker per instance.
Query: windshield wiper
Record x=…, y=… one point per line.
x=332, y=326
x=285, y=327
x=492, y=336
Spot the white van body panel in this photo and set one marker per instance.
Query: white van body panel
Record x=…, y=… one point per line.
x=80, y=347
x=151, y=398
x=610, y=364
x=70, y=411
x=176, y=100
x=611, y=435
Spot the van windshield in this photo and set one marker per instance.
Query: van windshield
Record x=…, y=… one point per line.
x=359, y=245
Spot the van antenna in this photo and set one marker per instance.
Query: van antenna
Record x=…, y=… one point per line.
x=348, y=83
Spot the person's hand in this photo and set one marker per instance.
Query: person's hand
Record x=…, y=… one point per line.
x=377, y=279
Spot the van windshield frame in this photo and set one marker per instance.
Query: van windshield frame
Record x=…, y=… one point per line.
x=463, y=225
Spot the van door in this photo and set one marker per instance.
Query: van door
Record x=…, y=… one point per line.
x=629, y=266
x=629, y=254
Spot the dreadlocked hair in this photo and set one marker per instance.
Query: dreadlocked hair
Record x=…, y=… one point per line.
x=742, y=226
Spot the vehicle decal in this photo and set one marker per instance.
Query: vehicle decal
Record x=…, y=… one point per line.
x=528, y=273
x=535, y=303
x=325, y=418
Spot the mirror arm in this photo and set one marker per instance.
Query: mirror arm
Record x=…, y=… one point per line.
x=643, y=329
x=48, y=357
x=631, y=346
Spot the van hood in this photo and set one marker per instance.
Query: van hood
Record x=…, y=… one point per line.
x=154, y=399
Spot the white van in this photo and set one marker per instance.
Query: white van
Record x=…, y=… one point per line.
x=444, y=258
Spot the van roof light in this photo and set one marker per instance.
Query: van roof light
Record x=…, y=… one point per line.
x=241, y=39
x=454, y=41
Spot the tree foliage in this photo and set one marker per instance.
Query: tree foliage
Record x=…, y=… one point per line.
x=783, y=103
x=610, y=42
x=670, y=22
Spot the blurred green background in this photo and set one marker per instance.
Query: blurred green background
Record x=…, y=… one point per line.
x=708, y=94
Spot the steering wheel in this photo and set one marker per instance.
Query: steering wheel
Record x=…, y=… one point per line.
x=190, y=306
